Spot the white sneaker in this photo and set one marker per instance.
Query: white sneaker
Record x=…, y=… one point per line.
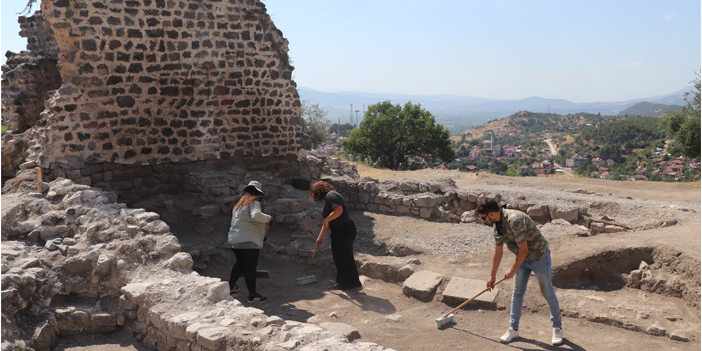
x=510, y=335
x=557, y=336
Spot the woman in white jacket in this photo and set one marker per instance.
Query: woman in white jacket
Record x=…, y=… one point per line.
x=246, y=234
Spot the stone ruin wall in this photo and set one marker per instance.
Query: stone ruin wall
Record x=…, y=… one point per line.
x=102, y=267
x=152, y=90
x=29, y=76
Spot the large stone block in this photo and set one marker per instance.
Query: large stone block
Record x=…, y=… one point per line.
x=212, y=338
x=569, y=214
x=461, y=289
x=422, y=284
x=425, y=201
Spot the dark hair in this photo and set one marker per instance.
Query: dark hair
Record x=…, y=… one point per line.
x=487, y=206
x=319, y=190
x=246, y=197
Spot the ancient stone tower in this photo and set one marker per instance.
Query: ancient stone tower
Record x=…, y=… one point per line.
x=151, y=89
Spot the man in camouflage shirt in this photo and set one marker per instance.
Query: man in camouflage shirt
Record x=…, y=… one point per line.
x=518, y=231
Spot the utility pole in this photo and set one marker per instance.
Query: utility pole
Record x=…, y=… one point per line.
x=354, y=125
x=351, y=118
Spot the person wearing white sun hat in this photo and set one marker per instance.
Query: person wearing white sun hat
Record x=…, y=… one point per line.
x=246, y=234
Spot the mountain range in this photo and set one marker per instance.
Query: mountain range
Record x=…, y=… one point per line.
x=460, y=112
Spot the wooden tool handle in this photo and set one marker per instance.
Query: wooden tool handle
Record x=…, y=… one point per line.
x=309, y=265
x=471, y=299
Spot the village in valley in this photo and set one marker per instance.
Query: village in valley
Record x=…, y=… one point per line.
x=534, y=158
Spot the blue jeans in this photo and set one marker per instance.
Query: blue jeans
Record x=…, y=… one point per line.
x=542, y=269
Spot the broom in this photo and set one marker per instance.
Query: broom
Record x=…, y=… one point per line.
x=308, y=279
x=448, y=317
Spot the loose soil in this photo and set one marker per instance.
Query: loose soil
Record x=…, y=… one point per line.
x=384, y=315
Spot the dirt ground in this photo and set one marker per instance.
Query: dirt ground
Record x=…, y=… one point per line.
x=384, y=315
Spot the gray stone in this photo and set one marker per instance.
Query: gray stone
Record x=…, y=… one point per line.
x=597, y=227
x=421, y=284
x=181, y=261
x=613, y=229
x=218, y=291
x=103, y=265
x=469, y=217
x=656, y=329
x=156, y=227
x=78, y=264
x=103, y=319
x=537, y=210
x=406, y=271
x=342, y=329
x=290, y=205
x=461, y=289
x=274, y=320
x=166, y=244
x=212, y=338
x=425, y=201
x=136, y=292
x=147, y=217
x=569, y=214
x=679, y=335
x=42, y=187
x=206, y=211
x=426, y=212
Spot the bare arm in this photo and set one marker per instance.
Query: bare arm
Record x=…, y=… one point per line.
x=338, y=210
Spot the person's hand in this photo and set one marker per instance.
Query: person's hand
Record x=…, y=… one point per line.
x=319, y=241
x=509, y=274
x=491, y=283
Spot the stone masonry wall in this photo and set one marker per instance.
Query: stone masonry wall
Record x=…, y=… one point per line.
x=29, y=76
x=38, y=39
x=149, y=83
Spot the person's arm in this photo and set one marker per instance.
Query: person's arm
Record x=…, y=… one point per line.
x=496, y=259
x=257, y=215
x=338, y=210
x=521, y=256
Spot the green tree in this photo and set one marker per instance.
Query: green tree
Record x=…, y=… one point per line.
x=399, y=138
x=515, y=170
x=684, y=125
x=316, y=125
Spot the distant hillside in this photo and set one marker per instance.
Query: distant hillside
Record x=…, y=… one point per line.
x=648, y=109
x=462, y=112
x=526, y=122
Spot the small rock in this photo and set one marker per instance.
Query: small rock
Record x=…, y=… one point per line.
x=656, y=330
x=395, y=317
x=679, y=335
x=343, y=329
x=42, y=187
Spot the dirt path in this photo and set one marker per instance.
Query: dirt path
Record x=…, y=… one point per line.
x=567, y=171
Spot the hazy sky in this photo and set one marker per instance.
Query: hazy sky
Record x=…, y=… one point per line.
x=582, y=51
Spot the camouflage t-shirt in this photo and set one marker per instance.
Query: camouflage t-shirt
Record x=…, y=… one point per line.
x=518, y=227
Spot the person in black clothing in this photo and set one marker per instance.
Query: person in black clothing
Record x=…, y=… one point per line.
x=343, y=234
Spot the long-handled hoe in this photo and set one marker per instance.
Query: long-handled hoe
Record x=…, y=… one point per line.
x=308, y=279
x=448, y=317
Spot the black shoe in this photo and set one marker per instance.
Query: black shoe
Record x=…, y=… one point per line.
x=257, y=298
x=234, y=289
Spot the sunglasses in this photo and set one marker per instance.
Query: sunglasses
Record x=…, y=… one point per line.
x=483, y=216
